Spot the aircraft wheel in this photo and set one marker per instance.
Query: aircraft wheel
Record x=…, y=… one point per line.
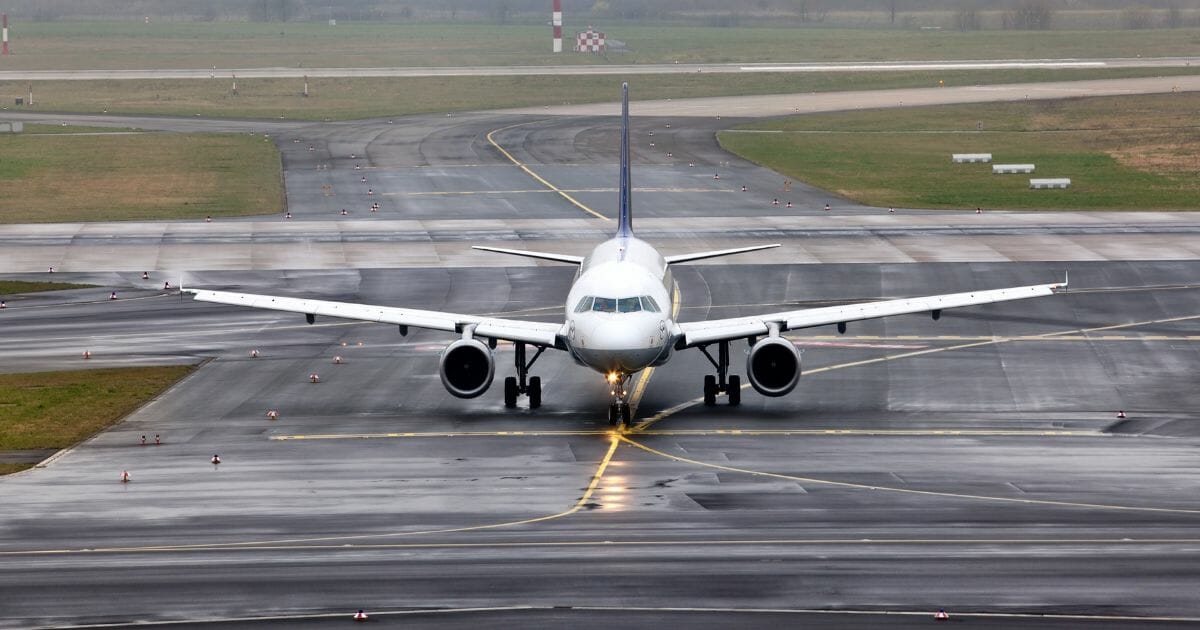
x=613, y=414
x=710, y=390
x=535, y=392
x=735, y=390
x=626, y=415
x=510, y=392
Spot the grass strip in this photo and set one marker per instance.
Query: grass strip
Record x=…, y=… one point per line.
x=118, y=44
x=58, y=409
x=9, y=287
x=1121, y=153
x=67, y=178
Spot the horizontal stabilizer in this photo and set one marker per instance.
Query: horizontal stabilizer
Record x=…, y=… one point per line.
x=713, y=254
x=566, y=258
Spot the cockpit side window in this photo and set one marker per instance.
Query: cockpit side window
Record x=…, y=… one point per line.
x=605, y=305
x=585, y=304
x=649, y=304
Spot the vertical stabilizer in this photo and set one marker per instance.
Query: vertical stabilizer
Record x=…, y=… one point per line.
x=625, y=213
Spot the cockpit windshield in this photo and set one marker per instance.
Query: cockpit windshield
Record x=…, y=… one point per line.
x=605, y=305
x=617, y=305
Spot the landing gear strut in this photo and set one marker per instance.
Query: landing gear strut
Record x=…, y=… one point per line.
x=619, y=413
x=522, y=383
x=723, y=382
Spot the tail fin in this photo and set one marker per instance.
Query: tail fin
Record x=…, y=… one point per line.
x=625, y=215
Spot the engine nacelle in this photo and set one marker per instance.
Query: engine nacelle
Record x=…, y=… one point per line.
x=467, y=368
x=773, y=366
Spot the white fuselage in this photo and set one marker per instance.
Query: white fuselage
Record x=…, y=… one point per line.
x=618, y=313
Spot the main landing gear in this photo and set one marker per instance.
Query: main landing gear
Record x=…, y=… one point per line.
x=522, y=383
x=723, y=382
x=619, y=413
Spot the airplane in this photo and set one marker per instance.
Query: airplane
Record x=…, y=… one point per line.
x=618, y=320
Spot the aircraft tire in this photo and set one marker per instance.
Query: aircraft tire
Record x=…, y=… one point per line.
x=510, y=392
x=735, y=390
x=710, y=390
x=535, y=392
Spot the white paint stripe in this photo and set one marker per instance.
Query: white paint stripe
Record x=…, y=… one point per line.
x=982, y=65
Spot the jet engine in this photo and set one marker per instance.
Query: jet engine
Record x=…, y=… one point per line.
x=773, y=366
x=467, y=368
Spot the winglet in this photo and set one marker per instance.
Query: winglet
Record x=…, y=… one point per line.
x=625, y=213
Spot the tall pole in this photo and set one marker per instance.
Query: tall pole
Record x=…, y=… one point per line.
x=5, y=36
x=556, y=20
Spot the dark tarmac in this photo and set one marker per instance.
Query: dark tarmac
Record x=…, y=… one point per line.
x=973, y=464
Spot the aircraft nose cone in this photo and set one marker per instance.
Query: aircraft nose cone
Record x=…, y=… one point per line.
x=619, y=335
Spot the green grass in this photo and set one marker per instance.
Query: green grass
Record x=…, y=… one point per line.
x=357, y=98
x=133, y=45
x=9, y=287
x=63, y=178
x=58, y=409
x=1128, y=153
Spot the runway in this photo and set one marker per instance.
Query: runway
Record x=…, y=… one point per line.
x=974, y=464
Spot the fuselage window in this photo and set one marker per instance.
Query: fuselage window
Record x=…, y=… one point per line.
x=585, y=305
x=605, y=305
x=649, y=304
x=629, y=305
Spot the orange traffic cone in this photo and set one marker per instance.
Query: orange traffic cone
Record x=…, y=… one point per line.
x=942, y=615
x=314, y=378
x=254, y=353
x=360, y=615
x=87, y=354
x=272, y=414
x=216, y=459
x=124, y=476
x=1121, y=415
x=337, y=360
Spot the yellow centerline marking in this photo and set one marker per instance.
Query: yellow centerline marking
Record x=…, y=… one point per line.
x=983, y=341
x=777, y=542
x=282, y=543
x=930, y=493
x=537, y=177
x=701, y=433
x=636, y=398
x=445, y=193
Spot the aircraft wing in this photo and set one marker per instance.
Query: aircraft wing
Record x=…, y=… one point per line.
x=700, y=333
x=539, y=333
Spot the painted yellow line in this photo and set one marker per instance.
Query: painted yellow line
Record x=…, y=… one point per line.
x=510, y=544
x=456, y=193
x=802, y=339
x=701, y=433
x=982, y=341
x=537, y=177
x=929, y=493
x=638, y=390
x=579, y=505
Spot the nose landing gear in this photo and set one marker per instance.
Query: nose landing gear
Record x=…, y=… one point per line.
x=522, y=383
x=619, y=413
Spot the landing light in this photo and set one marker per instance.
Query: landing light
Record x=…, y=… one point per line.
x=612, y=377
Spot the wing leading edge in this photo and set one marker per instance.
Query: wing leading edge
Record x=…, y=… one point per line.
x=700, y=333
x=539, y=333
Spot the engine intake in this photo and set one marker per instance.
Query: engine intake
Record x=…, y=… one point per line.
x=467, y=368
x=773, y=366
